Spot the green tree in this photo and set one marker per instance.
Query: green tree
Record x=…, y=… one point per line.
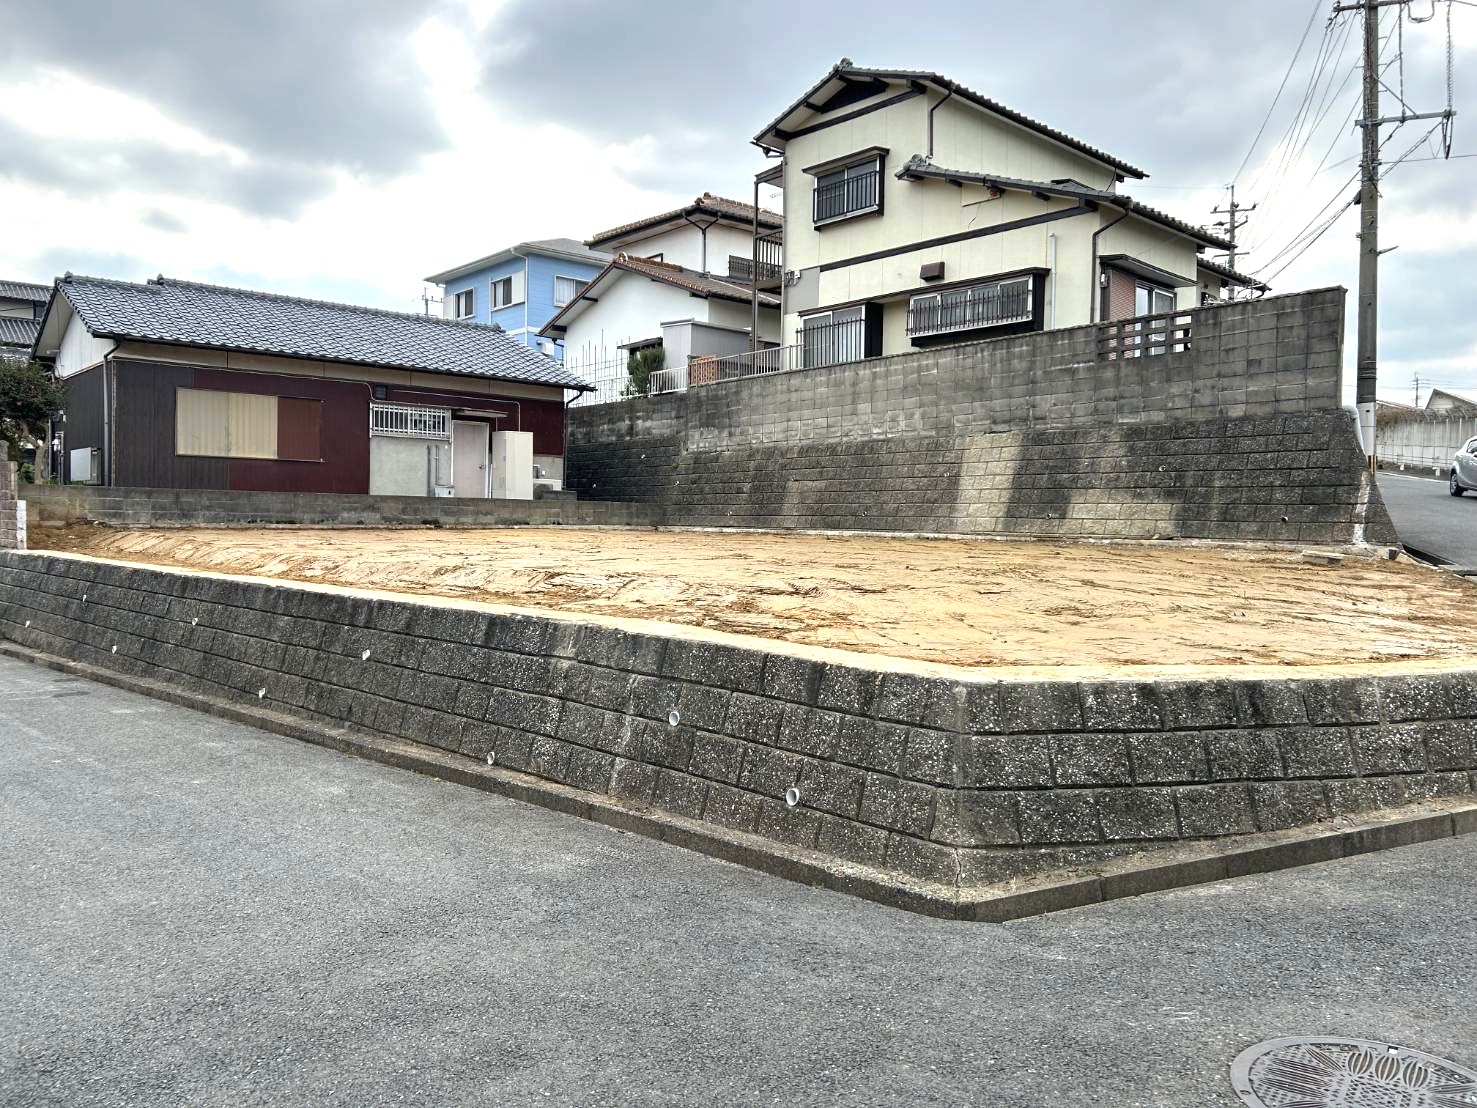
x=29, y=396
x=640, y=366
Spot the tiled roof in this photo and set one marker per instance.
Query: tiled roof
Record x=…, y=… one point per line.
x=920, y=167
x=18, y=332
x=689, y=280
x=1232, y=275
x=844, y=69
x=706, y=204
x=558, y=248
x=187, y=313
x=24, y=290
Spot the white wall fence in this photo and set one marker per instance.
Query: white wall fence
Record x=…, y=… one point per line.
x=1422, y=439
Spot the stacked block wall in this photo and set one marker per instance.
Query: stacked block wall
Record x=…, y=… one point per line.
x=954, y=781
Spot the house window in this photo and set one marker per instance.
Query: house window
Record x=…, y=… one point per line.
x=466, y=304
x=410, y=421
x=970, y=307
x=502, y=293
x=828, y=338
x=851, y=190
x=1152, y=300
x=566, y=289
x=213, y=424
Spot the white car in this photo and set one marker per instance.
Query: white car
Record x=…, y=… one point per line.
x=1464, y=469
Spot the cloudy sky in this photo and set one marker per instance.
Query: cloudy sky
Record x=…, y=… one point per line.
x=346, y=149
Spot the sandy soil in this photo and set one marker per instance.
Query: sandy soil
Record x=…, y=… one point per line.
x=977, y=604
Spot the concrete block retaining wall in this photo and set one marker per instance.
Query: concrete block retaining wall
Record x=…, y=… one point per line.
x=139, y=507
x=12, y=509
x=953, y=781
x=1238, y=437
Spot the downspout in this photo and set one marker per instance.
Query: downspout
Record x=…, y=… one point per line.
x=1096, y=276
x=702, y=229
x=110, y=417
x=754, y=278
x=949, y=96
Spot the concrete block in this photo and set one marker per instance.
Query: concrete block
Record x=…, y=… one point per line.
x=900, y=805
x=1059, y=816
x=1007, y=761
x=1168, y=757
x=1137, y=813
x=1214, y=810
x=1090, y=759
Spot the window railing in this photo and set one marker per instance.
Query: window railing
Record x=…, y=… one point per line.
x=409, y=421
x=852, y=194
x=968, y=309
x=832, y=343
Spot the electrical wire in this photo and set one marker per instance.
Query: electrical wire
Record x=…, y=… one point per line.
x=1312, y=16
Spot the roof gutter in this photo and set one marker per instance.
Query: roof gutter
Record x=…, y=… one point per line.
x=1096, y=270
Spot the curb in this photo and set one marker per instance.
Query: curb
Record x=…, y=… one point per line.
x=1156, y=871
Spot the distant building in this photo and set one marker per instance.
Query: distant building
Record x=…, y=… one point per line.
x=519, y=289
x=22, y=305
x=176, y=384
x=681, y=282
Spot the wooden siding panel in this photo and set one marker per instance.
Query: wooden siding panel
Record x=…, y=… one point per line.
x=299, y=429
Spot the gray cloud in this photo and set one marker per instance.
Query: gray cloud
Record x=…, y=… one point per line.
x=161, y=220
x=87, y=168
x=323, y=83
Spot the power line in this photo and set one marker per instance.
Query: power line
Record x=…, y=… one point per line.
x=1313, y=15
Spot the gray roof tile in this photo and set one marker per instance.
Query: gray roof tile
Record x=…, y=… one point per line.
x=18, y=332
x=187, y=313
x=24, y=290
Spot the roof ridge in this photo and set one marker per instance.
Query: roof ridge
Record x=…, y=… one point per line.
x=259, y=294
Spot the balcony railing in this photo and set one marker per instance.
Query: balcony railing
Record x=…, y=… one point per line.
x=667, y=380
x=990, y=306
x=850, y=194
x=832, y=343
x=771, y=264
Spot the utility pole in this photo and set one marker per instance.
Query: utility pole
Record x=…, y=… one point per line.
x=1231, y=223
x=1367, y=367
x=1416, y=381
x=1366, y=376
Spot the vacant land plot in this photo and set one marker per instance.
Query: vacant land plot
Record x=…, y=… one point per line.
x=977, y=604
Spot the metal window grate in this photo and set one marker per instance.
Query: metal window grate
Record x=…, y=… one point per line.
x=410, y=421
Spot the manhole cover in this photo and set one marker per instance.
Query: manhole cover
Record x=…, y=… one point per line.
x=1329, y=1072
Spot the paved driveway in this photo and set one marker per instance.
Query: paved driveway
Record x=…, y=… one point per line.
x=1431, y=519
x=192, y=911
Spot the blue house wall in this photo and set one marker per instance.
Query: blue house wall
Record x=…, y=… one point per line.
x=522, y=321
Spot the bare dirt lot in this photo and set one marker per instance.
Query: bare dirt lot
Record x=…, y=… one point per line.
x=976, y=604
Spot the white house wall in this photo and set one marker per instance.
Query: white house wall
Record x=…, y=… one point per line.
x=727, y=313
x=79, y=349
x=630, y=308
x=684, y=246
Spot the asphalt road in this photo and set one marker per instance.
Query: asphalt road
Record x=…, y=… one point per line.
x=1430, y=519
x=192, y=911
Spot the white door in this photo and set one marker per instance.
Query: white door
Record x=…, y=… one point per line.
x=469, y=458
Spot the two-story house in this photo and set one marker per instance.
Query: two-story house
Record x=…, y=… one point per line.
x=679, y=283
x=22, y=305
x=521, y=288
x=919, y=212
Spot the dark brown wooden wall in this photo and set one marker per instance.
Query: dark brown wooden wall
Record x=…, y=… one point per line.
x=339, y=459
x=84, y=422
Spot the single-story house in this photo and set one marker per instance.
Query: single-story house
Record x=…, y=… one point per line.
x=178, y=384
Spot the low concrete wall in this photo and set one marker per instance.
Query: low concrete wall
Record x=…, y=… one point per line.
x=956, y=782
x=1422, y=439
x=1239, y=436
x=129, y=507
x=13, y=511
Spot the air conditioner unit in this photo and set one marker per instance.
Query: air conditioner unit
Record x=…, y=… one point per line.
x=792, y=277
x=85, y=465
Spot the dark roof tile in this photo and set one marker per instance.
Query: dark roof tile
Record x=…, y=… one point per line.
x=187, y=313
